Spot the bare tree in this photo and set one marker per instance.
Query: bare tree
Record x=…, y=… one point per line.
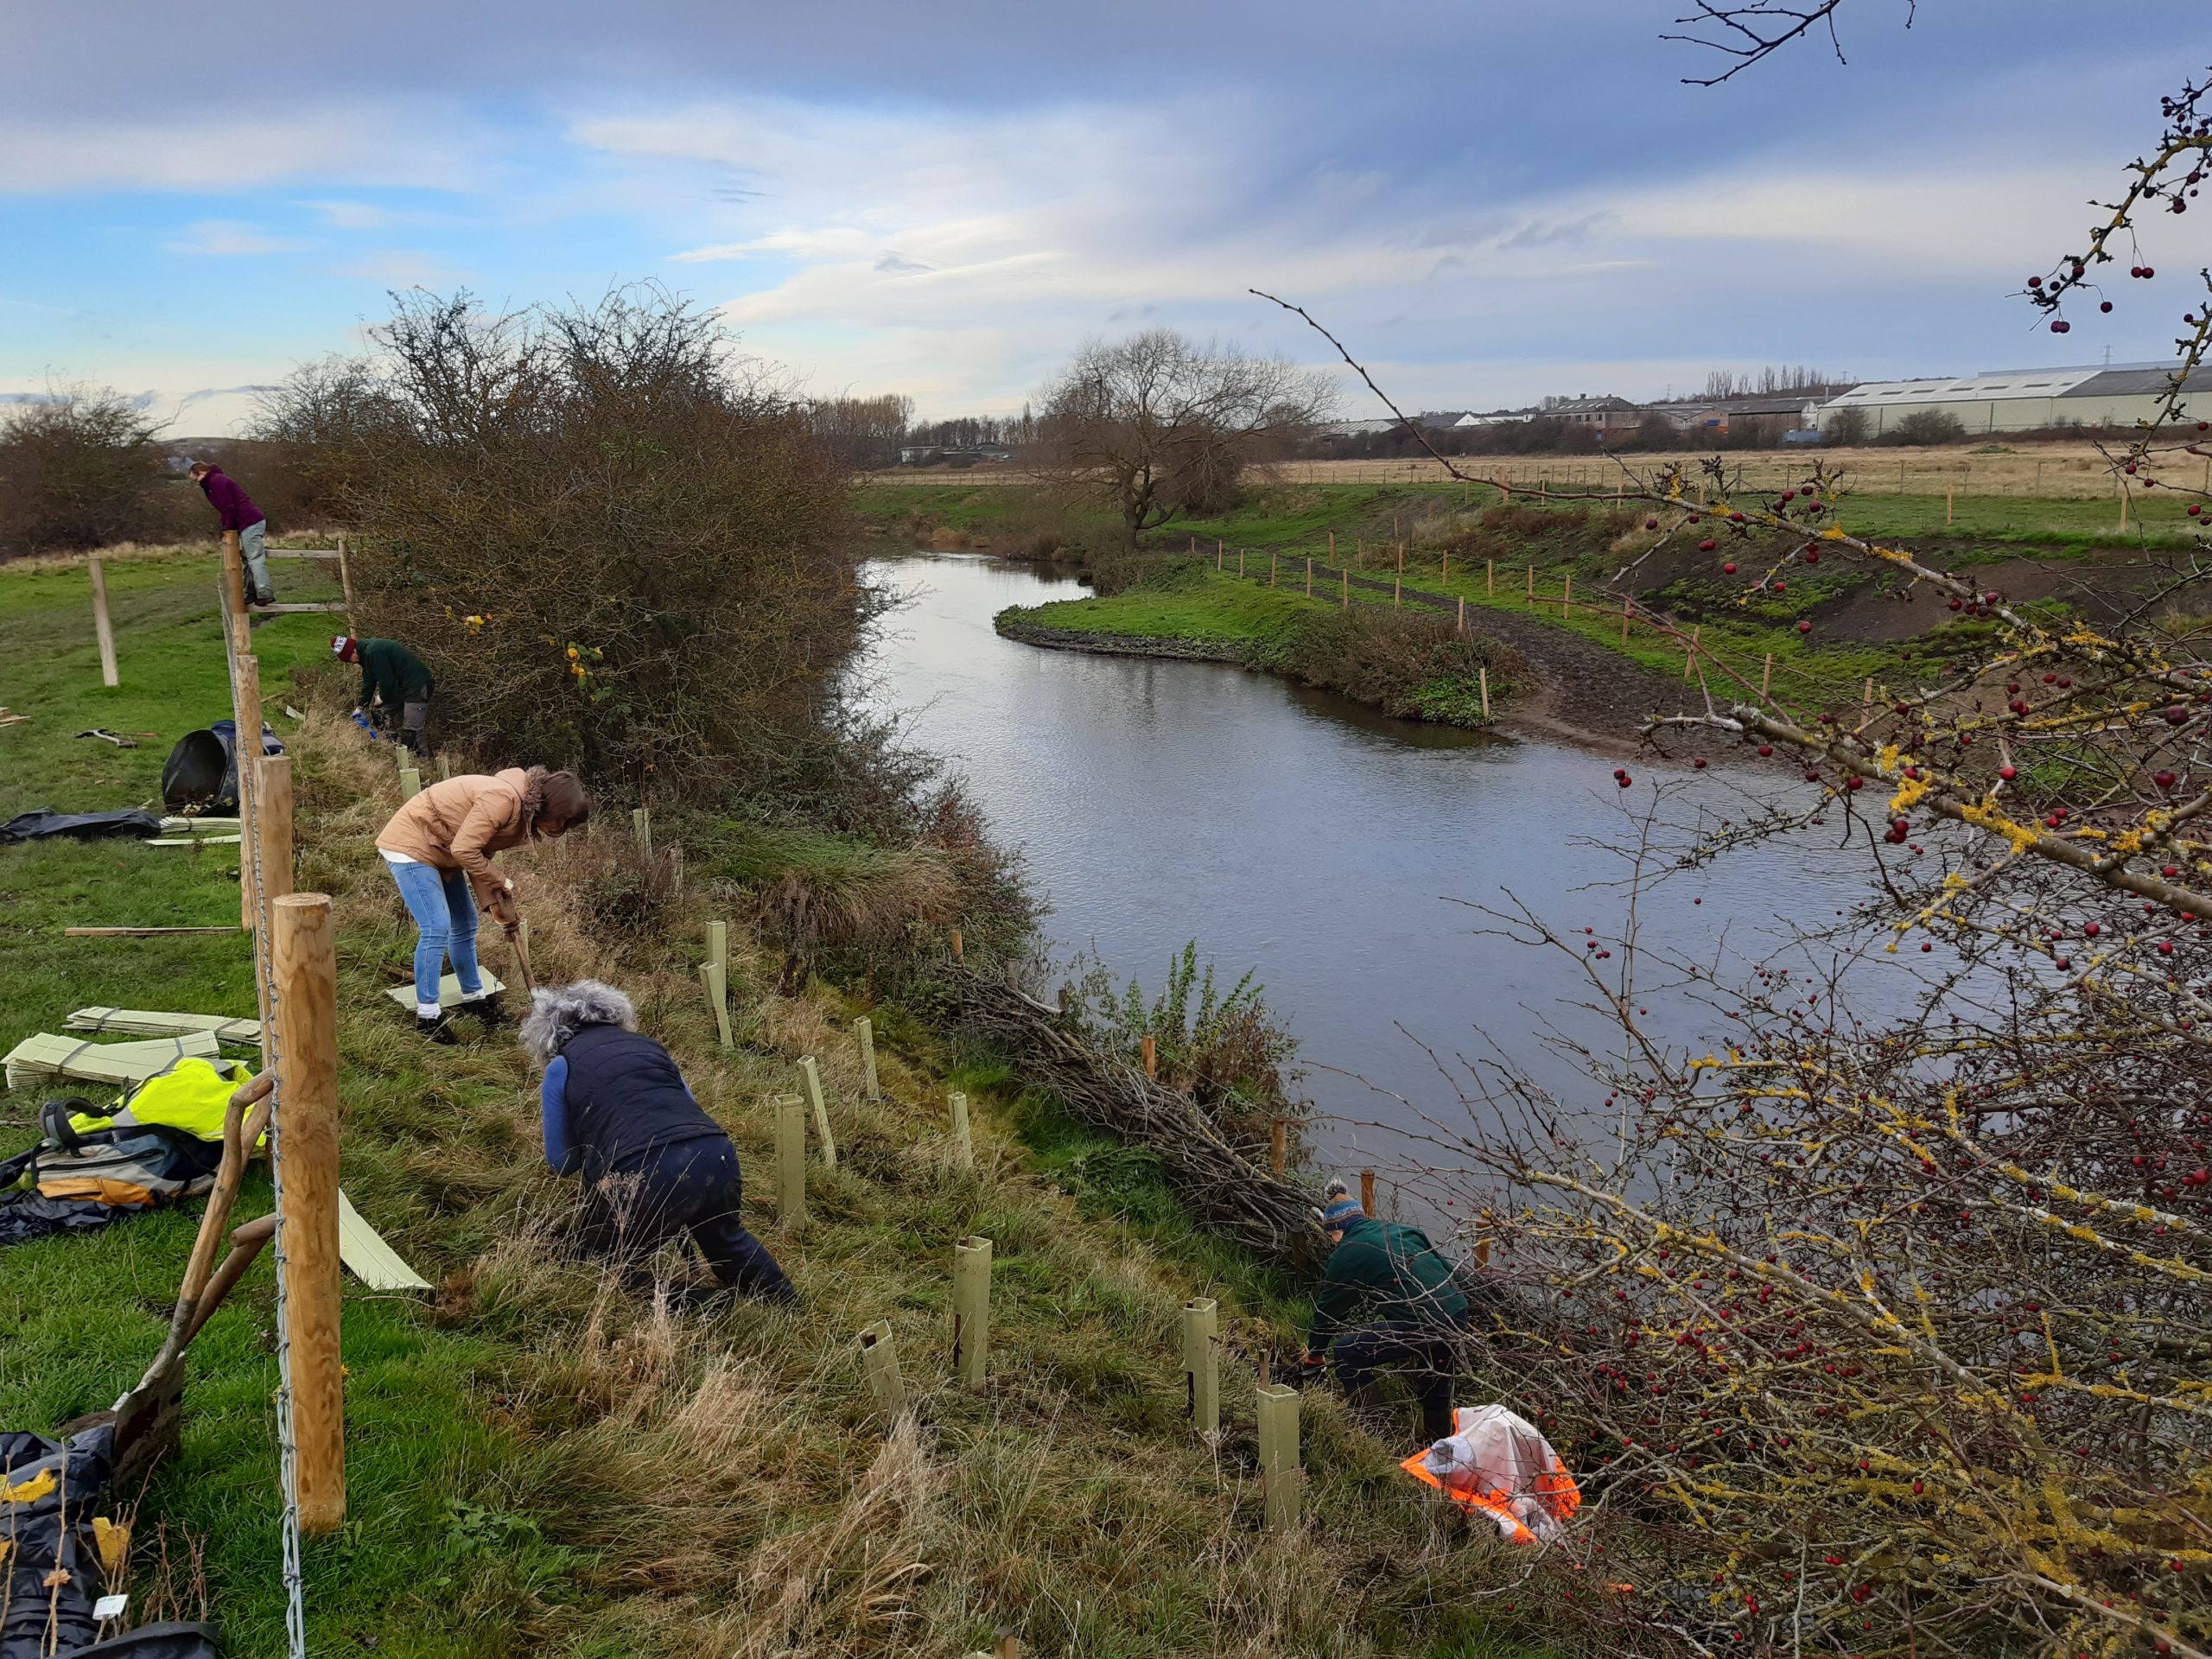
x=863, y=432
x=78, y=468
x=1158, y=424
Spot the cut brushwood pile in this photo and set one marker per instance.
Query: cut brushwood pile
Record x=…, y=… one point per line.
x=47, y=1055
x=1224, y=1191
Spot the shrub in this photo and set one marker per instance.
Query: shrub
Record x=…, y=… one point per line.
x=619, y=551
x=1927, y=426
x=1413, y=664
x=81, y=469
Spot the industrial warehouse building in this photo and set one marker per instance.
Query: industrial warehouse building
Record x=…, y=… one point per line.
x=2027, y=400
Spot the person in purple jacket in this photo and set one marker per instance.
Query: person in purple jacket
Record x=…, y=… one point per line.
x=236, y=509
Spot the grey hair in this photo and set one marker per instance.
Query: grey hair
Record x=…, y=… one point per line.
x=554, y=1016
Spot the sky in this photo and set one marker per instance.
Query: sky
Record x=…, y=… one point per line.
x=1489, y=201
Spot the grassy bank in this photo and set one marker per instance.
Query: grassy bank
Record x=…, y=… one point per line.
x=1407, y=662
x=539, y=1462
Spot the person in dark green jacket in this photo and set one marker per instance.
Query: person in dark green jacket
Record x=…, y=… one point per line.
x=392, y=675
x=1387, y=1301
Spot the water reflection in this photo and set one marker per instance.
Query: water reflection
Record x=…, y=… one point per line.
x=1314, y=840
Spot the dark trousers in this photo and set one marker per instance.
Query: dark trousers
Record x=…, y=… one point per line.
x=694, y=1187
x=1424, y=1352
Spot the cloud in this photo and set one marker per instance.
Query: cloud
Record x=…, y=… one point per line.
x=228, y=239
x=350, y=215
x=404, y=268
x=893, y=264
x=207, y=392
x=395, y=144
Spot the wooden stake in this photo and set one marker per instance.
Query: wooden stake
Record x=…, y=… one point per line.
x=1333, y=547
x=1271, y=568
x=972, y=1309
x=1150, y=1049
x=879, y=1360
x=1482, y=679
x=1279, y=1145
x=1623, y=621
x=1567, y=596
x=1398, y=588
x=1531, y=594
x=1447, y=574
x=1240, y=560
x=245, y=706
x=272, y=825
x=102, y=630
x=641, y=826
x=1202, y=1363
x=963, y=1137
x=1219, y=548
x=1463, y=616
x=864, y=1033
x=716, y=979
x=1279, y=1473
x=1345, y=576
x=1766, y=674
x=1309, y=576
x=1367, y=1191
x=138, y=932
x=791, y=1159
x=1489, y=578
x=305, y=968
x=810, y=1074
x=1689, y=651
x=676, y=867
x=1947, y=504
x=956, y=945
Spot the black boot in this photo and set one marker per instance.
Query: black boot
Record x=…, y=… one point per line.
x=437, y=1028
x=491, y=1009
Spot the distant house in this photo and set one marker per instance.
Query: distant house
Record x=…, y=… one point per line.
x=1603, y=414
x=1789, y=410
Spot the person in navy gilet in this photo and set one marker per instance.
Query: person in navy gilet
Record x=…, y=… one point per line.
x=654, y=1164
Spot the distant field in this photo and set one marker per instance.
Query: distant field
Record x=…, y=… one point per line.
x=2055, y=471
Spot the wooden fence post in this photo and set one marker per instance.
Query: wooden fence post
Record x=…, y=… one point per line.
x=810, y=1074
x=346, y=583
x=1149, y=1051
x=1489, y=578
x=272, y=825
x=1280, y=1471
x=1463, y=616
x=963, y=1140
x=1947, y=503
x=956, y=945
x=1567, y=596
x=880, y=1359
x=1367, y=1191
x=237, y=628
x=1446, y=574
x=103, y=630
x=1623, y=621
x=865, y=1034
x=1345, y=576
x=1482, y=679
x=1219, y=548
x=716, y=979
x=1202, y=1363
x=1766, y=674
x=245, y=705
x=1279, y=1145
x=791, y=1159
x=972, y=1309
x=1309, y=576
x=641, y=826
x=1240, y=560
x=1271, y=568
x=302, y=955
x=1530, y=597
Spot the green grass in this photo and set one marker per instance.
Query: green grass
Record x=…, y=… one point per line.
x=539, y=1462
x=1195, y=605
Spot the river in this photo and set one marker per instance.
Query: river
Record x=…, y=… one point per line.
x=1331, y=849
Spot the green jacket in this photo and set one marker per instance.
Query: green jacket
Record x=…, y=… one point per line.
x=1384, y=1271
x=389, y=669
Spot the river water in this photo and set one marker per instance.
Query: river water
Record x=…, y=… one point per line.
x=1331, y=849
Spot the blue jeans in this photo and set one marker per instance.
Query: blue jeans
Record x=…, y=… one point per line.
x=438, y=900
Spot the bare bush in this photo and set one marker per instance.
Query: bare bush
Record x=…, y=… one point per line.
x=622, y=551
x=81, y=468
x=1414, y=664
x=1158, y=425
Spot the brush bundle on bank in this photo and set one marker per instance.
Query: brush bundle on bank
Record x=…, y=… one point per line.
x=1224, y=1191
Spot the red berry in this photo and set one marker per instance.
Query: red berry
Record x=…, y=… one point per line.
x=1707, y=545
x=1698, y=763
x=2008, y=774
x=2092, y=930
x=1626, y=780
x=1651, y=523
x=1804, y=627
x=1728, y=569
x=2060, y=326
x=1766, y=748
